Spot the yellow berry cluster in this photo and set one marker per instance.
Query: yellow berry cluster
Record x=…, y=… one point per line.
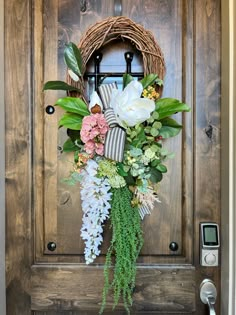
x=150, y=93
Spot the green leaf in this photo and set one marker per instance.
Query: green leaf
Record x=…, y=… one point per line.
x=154, y=163
x=73, y=58
x=159, y=82
x=73, y=105
x=120, y=169
x=133, y=134
x=170, y=128
x=71, y=121
x=156, y=176
x=140, y=139
x=76, y=156
x=127, y=78
x=154, y=148
x=130, y=180
x=162, y=168
x=168, y=132
x=74, y=135
x=169, y=106
x=69, y=146
x=149, y=80
x=69, y=181
x=59, y=85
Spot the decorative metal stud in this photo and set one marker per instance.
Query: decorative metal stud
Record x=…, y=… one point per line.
x=173, y=246
x=52, y=246
x=50, y=109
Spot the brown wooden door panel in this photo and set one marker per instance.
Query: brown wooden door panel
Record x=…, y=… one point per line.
x=157, y=289
x=59, y=282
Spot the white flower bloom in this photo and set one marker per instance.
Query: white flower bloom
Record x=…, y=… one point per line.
x=129, y=108
x=95, y=198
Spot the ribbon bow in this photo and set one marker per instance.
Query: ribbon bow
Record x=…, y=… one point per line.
x=115, y=138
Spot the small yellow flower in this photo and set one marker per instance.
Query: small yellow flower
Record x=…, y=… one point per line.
x=150, y=93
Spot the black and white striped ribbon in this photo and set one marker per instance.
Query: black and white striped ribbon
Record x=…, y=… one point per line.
x=110, y=117
x=115, y=137
x=144, y=210
x=105, y=93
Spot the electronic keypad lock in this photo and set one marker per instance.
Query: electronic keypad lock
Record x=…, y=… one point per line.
x=209, y=244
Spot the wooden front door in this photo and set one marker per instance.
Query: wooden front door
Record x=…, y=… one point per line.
x=43, y=210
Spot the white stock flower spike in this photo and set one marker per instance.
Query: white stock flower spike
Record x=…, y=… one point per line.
x=95, y=198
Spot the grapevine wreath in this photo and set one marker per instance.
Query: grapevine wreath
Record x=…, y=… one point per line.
x=117, y=138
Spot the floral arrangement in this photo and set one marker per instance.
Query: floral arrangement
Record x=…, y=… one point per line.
x=119, y=158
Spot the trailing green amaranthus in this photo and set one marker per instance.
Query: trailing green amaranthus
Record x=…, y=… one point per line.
x=126, y=243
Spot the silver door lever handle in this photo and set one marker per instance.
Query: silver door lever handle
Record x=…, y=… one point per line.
x=208, y=294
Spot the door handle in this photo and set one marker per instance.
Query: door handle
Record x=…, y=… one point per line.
x=208, y=294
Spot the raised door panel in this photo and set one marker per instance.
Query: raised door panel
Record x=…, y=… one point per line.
x=61, y=210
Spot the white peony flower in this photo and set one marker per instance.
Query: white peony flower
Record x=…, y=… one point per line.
x=129, y=108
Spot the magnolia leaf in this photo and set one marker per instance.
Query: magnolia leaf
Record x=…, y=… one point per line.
x=169, y=106
x=120, y=170
x=156, y=176
x=127, y=78
x=74, y=135
x=168, y=132
x=73, y=105
x=69, y=146
x=59, y=85
x=170, y=122
x=149, y=80
x=71, y=121
x=73, y=76
x=170, y=128
x=73, y=58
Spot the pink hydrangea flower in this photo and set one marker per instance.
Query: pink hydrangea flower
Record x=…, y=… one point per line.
x=93, y=131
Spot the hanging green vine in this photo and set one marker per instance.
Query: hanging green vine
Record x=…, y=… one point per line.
x=126, y=243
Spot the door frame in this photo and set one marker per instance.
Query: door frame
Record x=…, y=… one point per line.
x=2, y=166
x=228, y=137
x=228, y=166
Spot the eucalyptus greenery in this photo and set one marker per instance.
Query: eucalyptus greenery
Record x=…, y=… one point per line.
x=126, y=243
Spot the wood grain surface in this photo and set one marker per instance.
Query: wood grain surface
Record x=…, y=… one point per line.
x=42, y=209
x=18, y=97
x=153, y=291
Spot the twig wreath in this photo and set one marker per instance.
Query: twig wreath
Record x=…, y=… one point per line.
x=117, y=139
x=121, y=28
